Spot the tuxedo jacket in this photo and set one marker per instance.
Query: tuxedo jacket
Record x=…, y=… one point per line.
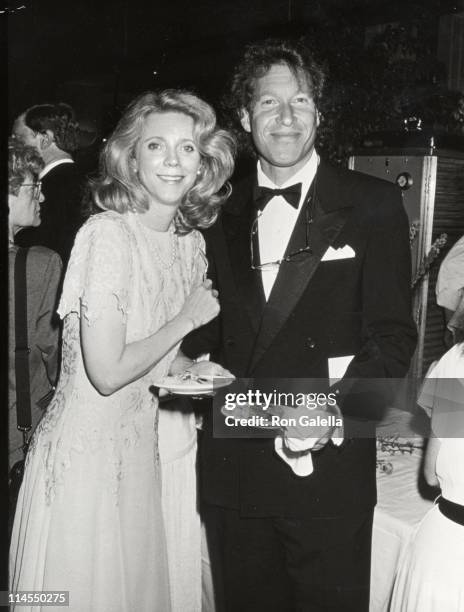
x=319, y=308
x=60, y=212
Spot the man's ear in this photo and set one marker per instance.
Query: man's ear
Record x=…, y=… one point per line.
x=245, y=120
x=46, y=139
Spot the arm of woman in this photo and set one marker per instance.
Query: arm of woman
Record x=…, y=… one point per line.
x=98, y=287
x=430, y=461
x=110, y=362
x=182, y=362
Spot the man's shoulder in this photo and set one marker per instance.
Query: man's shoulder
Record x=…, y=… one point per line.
x=375, y=200
x=236, y=206
x=42, y=253
x=356, y=179
x=65, y=175
x=243, y=184
x=40, y=261
x=242, y=190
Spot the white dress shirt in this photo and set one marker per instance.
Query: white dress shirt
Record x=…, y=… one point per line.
x=277, y=220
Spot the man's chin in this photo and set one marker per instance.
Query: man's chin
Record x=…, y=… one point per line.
x=289, y=161
x=287, y=158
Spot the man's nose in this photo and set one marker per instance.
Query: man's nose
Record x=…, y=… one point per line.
x=41, y=198
x=286, y=114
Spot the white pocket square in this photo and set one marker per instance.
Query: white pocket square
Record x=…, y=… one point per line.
x=345, y=252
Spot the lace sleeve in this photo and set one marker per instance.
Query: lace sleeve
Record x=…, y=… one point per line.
x=99, y=269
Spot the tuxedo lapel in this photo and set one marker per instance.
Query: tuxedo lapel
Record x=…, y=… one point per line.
x=237, y=222
x=331, y=211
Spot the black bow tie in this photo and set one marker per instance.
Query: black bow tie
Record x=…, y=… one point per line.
x=262, y=195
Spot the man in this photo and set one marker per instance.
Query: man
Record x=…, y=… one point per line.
x=53, y=131
x=301, y=284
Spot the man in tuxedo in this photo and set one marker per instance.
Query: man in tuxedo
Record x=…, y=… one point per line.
x=53, y=131
x=312, y=265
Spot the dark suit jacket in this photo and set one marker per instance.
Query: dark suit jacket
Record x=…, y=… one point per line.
x=317, y=310
x=60, y=212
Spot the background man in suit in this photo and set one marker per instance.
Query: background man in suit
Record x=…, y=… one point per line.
x=305, y=275
x=53, y=131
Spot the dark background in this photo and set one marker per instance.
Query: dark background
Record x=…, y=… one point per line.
x=98, y=54
x=387, y=60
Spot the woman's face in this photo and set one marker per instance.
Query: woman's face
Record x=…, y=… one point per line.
x=167, y=159
x=25, y=206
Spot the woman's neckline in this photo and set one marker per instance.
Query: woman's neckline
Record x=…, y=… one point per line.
x=148, y=228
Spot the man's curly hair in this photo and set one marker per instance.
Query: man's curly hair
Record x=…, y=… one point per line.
x=58, y=118
x=256, y=60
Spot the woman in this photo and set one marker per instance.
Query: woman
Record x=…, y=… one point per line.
x=43, y=271
x=430, y=576
x=89, y=516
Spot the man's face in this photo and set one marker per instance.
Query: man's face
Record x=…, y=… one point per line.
x=25, y=206
x=25, y=134
x=282, y=119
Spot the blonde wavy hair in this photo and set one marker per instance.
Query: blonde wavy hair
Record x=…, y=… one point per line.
x=118, y=187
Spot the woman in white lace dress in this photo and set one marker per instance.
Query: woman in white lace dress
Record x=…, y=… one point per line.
x=89, y=515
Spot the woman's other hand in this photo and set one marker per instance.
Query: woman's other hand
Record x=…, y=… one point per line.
x=208, y=369
x=202, y=305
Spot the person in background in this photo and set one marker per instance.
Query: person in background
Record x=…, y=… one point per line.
x=89, y=517
x=450, y=292
x=52, y=129
x=43, y=274
x=431, y=569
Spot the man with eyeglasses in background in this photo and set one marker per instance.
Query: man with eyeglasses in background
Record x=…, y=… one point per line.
x=312, y=265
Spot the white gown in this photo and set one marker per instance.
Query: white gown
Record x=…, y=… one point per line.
x=431, y=572
x=89, y=517
x=178, y=453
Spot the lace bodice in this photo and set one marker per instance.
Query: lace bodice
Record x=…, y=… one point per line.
x=149, y=274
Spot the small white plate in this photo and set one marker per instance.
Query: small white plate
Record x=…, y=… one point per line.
x=174, y=384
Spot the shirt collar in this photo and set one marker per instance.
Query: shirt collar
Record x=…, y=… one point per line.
x=305, y=176
x=46, y=169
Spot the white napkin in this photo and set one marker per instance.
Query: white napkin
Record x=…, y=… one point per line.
x=301, y=463
x=345, y=252
x=338, y=367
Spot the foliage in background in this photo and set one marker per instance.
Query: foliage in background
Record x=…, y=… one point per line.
x=377, y=85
